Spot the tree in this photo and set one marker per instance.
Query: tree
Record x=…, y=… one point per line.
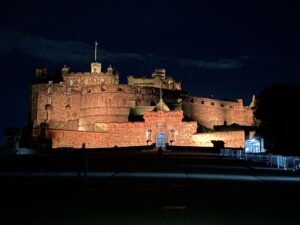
x=277, y=114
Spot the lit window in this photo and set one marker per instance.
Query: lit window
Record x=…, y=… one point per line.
x=71, y=82
x=86, y=81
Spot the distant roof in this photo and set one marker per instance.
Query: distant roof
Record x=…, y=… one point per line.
x=161, y=106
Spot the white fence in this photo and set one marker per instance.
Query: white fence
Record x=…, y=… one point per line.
x=278, y=161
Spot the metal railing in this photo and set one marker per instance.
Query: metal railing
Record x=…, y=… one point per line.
x=278, y=161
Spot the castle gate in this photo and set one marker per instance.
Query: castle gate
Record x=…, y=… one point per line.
x=161, y=140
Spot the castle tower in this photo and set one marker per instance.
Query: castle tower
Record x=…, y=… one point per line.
x=161, y=72
x=96, y=66
x=65, y=70
x=110, y=69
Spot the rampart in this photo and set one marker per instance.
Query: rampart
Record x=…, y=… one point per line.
x=210, y=112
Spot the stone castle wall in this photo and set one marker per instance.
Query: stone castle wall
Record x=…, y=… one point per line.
x=231, y=139
x=134, y=134
x=210, y=112
x=158, y=79
x=128, y=134
x=64, y=106
x=80, y=107
x=93, y=108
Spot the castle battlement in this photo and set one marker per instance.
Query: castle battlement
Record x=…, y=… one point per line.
x=236, y=105
x=89, y=105
x=158, y=79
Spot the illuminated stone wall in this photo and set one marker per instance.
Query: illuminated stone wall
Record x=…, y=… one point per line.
x=158, y=79
x=93, y=108
x=79, y=107
x=121, y=134
x=134, y=134
x=232, y=139
x=128, y=134
x=209, y=112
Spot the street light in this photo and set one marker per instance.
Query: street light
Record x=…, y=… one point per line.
x=172, y=136
x=148, y=136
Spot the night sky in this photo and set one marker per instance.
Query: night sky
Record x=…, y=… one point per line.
x=228, y=49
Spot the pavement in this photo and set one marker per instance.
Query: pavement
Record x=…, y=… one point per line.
x=138, y=188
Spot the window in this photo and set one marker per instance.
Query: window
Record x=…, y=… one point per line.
x=212, y=103
x=202, y=102
x=86, y=81
x=71, y=82
x=222, y=105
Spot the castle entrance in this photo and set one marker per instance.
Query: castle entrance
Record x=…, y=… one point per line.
x=161, y=140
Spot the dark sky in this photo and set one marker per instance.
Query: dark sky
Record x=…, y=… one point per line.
x=229, y=49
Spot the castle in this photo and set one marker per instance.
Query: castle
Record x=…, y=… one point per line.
x=95, y=109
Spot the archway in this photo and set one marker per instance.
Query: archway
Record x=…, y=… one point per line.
x=161, y=140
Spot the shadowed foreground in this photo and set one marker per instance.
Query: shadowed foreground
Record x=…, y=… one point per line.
x=151, y=199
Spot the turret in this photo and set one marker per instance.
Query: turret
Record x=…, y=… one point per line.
x=96, y=66
x=159, y=72
x=65, y=70
x=109, y=69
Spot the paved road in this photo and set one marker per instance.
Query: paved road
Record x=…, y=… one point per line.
x=147, y=189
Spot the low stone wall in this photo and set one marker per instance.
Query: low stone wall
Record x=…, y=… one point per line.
x=123, y=137
x=75, y=139
x=232, y=139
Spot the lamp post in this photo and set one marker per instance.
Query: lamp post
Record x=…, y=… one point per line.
x=172, y=136
x=148, y=136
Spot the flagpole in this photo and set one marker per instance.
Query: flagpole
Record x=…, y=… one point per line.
x=96, y=43
x=160, y=95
